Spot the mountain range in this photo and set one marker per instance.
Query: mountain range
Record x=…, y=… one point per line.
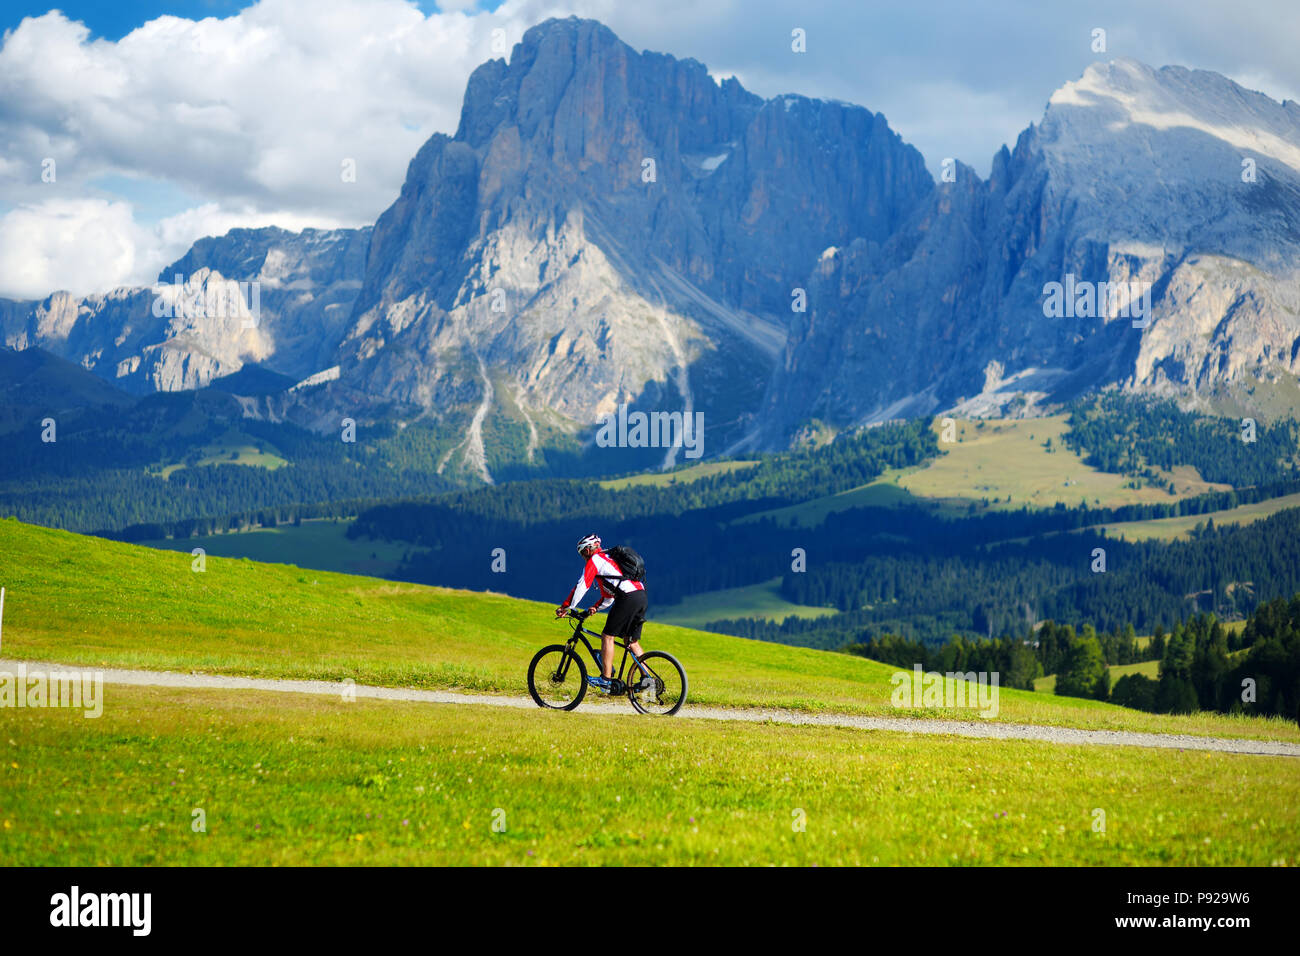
x=609, y=227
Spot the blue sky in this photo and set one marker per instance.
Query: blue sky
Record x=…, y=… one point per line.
x=161, y=131
x=114, y=19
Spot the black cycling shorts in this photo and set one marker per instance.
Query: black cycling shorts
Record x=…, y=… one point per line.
x=627, y=615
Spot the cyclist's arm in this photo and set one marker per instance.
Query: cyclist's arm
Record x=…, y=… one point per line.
x=580, y=589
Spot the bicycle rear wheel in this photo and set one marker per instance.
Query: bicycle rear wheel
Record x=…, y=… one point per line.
x=662, y=691
x=557, y=678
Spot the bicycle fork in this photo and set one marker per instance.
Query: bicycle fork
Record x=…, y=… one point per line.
x=566, y=660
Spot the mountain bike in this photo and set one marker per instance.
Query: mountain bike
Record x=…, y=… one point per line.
x=557, y=676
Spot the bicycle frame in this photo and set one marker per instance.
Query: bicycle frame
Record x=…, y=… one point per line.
x=580, y=633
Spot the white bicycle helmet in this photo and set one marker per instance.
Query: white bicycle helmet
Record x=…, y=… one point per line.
x=589, y=542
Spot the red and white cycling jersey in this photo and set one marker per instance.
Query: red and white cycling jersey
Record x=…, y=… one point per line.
x=600, y=564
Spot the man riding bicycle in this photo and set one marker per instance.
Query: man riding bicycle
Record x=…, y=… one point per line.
x=623, y=598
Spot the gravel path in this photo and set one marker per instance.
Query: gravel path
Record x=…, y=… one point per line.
x=913, y=725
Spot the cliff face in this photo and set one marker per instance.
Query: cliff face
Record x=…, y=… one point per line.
x=608, y=226
x=605, y=227
x=1181, y=182
x=182, y=335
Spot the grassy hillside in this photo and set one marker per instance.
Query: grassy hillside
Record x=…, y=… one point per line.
x=284, y=779
x=84, y=600
x=1047, y=685
x=318, y=542
x=885, y=492
x=1182, y=526
x=754, y=600
x=685, y=475
x=997, y=459
x=232, y=448
x=996, y=463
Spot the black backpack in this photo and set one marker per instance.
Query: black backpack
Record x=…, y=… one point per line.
x=627, y=559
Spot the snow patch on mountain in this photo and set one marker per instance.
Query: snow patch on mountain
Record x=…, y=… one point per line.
x=330, y=374
x=1125, y=92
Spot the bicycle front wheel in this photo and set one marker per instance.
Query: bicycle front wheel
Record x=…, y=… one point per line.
x=658, y=685
x=557, y=678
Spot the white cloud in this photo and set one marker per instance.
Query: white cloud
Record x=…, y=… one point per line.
x=93, y=245
x=263, y=104
x=253, y=114
x=43, y=246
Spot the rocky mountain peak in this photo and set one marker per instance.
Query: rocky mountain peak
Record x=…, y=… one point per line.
x=652, y=221
x=610, y=227
x=1177, y=183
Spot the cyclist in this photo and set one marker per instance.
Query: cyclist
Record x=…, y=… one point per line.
x=623, y=598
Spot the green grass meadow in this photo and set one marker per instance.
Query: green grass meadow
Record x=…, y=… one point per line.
x=662, y=479
x=317, y=542
x=1182, y=526
x=1010, y=458
x=1047, y=685
x=82, y=600
x=753, y=600
x=287, y=779
x=284, y=778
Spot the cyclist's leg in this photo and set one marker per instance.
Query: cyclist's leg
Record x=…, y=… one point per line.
x=607, y=655
x=623, y=622
x=634, y=631
x=620, y=618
